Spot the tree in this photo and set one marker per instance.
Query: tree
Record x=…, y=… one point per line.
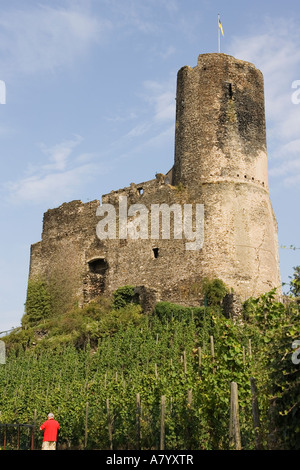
x=295, y=283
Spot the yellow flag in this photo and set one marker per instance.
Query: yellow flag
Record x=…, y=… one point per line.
x=221, y=28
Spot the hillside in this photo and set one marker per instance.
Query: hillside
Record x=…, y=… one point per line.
x=116, y=378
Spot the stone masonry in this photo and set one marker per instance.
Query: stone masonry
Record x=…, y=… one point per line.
x=220, y=162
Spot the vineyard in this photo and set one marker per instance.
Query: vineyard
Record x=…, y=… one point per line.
x=156, y=381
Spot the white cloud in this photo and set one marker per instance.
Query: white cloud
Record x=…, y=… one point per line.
x=289, y=150
x=127, y=116
x=140, y=15
x=138, y=130
x=42, y=38
x=289, y=167
x=168, y=52
x=55, y=180
x=161, y=97
x=59, y=153
x=53, y=186
x=154, y=118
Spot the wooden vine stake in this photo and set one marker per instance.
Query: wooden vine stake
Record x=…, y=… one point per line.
x=199, y=356
x=86, y=424
x=138, y=421
x=162, y=422
x=184, y=362
x=109, y=424
x=199, y=360
x=255, y=413
x=234, y=425
x=190, y=397
x=212, y=350
x=250, y=348
x=33, y=430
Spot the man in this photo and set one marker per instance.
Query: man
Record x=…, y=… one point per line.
x=50, y=434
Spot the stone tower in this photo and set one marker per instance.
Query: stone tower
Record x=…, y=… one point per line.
x=221, y=163
x=220, y=122
x=221, y=157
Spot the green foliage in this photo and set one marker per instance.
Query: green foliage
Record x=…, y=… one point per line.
x=170, y=311
x=180, y=188
x=285, y=376
x=38, y=302
x=214, y=291
x=109, y=350
x=274, y=327
x=123, y=296
x=295, y=283
x=145, y=359
x=265, y=311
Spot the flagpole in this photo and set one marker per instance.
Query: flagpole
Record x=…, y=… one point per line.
x=219, y=38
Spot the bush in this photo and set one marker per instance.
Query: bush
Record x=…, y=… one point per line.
x=123, y=296
x=214, y=291
x=38, y=302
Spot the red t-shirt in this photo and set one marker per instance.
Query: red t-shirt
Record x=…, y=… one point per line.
x=51, y=427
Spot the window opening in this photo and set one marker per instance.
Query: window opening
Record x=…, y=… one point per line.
x=98, y=266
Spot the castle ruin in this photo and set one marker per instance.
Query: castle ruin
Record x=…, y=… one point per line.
x=221, y=163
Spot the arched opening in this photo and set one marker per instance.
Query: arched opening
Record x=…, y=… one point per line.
x=98, y=266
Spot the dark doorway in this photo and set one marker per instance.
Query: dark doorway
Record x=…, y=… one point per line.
x=98, y=266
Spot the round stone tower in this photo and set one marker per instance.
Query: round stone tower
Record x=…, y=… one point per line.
x=221, y=160
x=220, y=121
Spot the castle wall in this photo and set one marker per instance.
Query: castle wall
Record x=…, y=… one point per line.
x=72, y=255
x=68, y=232
x=221, y=163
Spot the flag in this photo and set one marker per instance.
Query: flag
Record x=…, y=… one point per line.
x=221, y=28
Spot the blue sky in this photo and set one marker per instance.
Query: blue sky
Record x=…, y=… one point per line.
x=90, y=106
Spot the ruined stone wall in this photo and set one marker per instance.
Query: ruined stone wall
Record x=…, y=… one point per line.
x=162, y=264
x=71, y=252
x=60, y=257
